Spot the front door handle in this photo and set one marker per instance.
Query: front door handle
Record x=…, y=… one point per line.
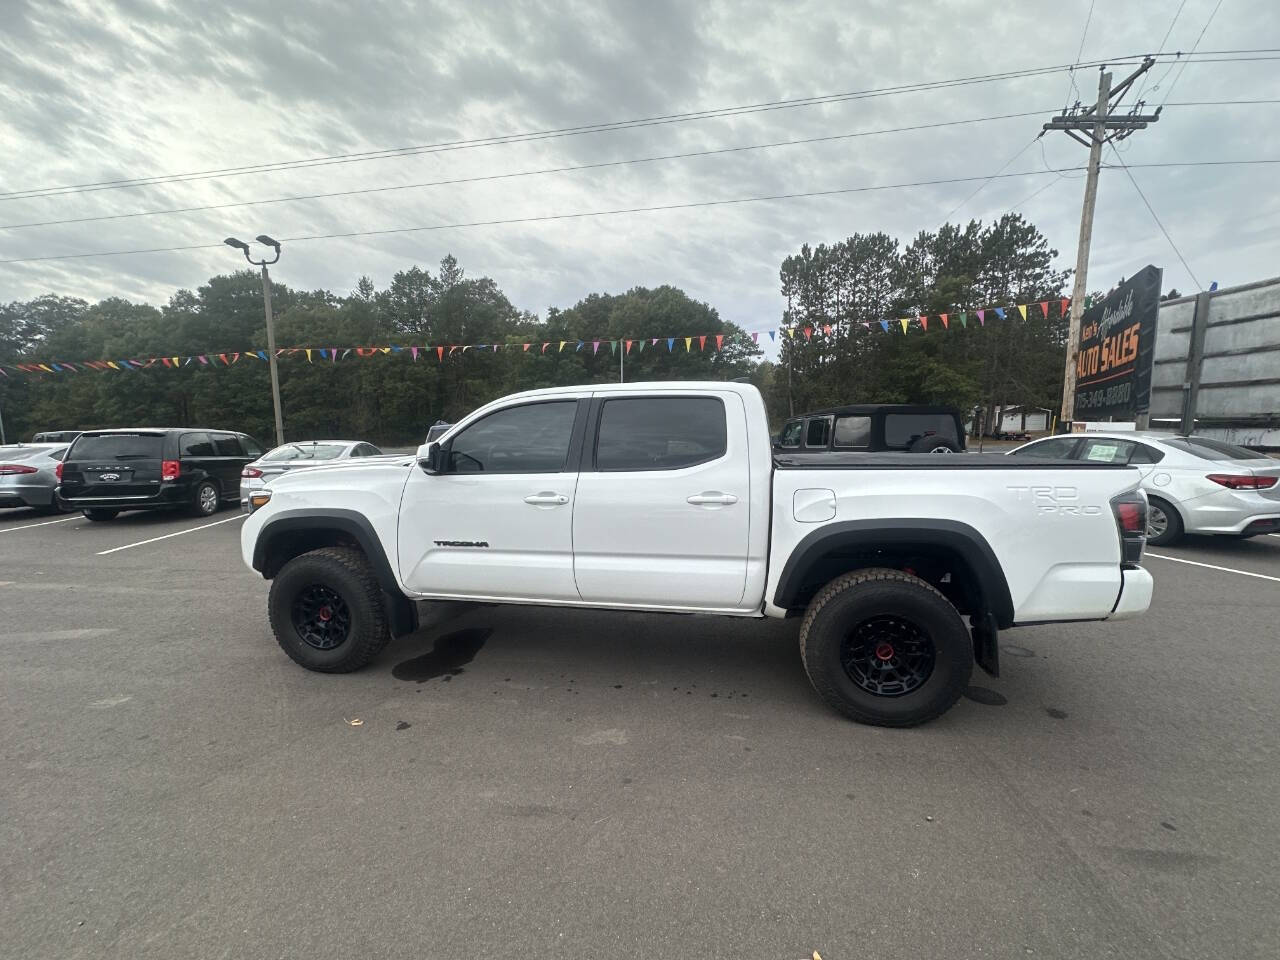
x=547, y=498
x=713, y=497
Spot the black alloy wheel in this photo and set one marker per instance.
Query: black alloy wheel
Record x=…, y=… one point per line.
x=321, y=617
x=887, y=655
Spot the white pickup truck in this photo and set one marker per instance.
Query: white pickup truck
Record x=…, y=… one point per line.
x=667, y=497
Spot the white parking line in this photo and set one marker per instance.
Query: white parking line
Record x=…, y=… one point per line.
x=42, y=523
x=1197, y=563
x=143, y=543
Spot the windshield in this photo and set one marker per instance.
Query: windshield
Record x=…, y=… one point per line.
x=305, y=451
x=119, y=446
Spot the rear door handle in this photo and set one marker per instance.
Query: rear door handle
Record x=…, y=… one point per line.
x=547, y=499
x=713, y=497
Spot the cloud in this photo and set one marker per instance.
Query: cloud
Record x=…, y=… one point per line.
x=98, y=91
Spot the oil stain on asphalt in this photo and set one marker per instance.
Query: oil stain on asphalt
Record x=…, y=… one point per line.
x=446, y=659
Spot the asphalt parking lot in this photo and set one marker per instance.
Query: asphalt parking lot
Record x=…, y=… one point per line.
x=537, y=782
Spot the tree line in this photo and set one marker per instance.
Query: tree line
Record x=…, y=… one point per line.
x=392, y=400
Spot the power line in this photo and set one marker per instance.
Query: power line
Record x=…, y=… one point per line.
x=522, y=173
x=544, y=218
x=1213, y=13
x=1156, y=218
x=1080, y=52
x=604, y=127
x=1176, y=14
x=983, y=185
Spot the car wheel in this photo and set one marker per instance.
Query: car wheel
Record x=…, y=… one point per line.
x=101, y=513
x=885, y=648
x=326, y=610
x=206, y=502
x=1164, y=525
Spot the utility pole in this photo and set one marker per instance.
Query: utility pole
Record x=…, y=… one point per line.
x=622, y=361
x=271, y=330
x=1093, y=127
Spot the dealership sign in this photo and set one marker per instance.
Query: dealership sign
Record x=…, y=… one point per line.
x=1117, y=347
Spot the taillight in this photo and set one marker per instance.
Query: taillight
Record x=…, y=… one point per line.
x=251, y=472
x=169, y=469
x=1130, y=511
x=1236, y=481
x=10, y=469
x=57, y=471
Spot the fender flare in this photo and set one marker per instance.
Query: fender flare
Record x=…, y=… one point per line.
x=952, y=535
x=402, y=612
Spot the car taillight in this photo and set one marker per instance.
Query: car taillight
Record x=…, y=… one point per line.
x=57, y=471
x=1236, y=481
x=1130, y=511
x=169, y=469
x=251, y=472
x=9, y=469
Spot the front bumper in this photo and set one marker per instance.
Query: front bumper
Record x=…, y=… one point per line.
x=1135, y=594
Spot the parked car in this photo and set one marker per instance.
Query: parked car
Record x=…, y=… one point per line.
x=55, y=436
x=29, y=475
x=1194, y=484
x=107, y=471
x=291, y=456
x=874, y=428
x=667, y=497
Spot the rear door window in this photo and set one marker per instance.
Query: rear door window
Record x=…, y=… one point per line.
x=903, y=429
x=227, y=445
x=817, y=432
x=852, y=432
x=1106, y=450
x=119, y=446
x=660, y=433
x=1055, y=448
x=197, y=445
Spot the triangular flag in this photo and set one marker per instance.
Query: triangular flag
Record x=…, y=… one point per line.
x=688, y=344
x=627, y=348
x=307, y=351
x=884, y=325
x=1044, y=308
x=385, y=349
x=1062, y=307
x=562, y=343
x=262, y=354
x=1022, y=309
x=671, y=341
x=595, y=346
x=545, y=345
x=826, y=329
x=755, y=336
x=412, y=350
x=924, y=322
x=526, y=348
x=175, y=360
x=333, y=354
x=578, y=347
x=719, y=340
x=702, y=342
x=982, y=318
x=439, y=354
x=235, y=357
x=904, y=325
x=945, y=325
x=791, y=332
x=771, y=335
x=653, y=342
x=808, y=332
x=640, y=345
x=964, y=320
x=867, y=325
x=223, y=358
x=613, y=346
x=165, y=361
x=1088, y=302
x=1000, y=312
x=345, y=353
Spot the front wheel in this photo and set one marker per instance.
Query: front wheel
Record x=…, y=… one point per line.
x=326, y=610
x=885, y=648
x=1164, y=526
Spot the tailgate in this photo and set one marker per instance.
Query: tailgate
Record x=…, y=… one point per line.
x=115, y=465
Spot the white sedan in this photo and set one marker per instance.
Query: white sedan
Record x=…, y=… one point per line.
x=1194, y=484
x=291, y=456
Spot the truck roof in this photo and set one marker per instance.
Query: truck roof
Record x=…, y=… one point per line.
x=652, y=386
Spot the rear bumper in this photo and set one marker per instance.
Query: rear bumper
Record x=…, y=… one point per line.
x=167, y=498
x=1228, y=512
x=25, y=495
x=1135, y=594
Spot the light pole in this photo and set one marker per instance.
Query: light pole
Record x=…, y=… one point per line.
x=271, y=330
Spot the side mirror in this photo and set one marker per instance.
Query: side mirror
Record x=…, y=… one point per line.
x=431, y=458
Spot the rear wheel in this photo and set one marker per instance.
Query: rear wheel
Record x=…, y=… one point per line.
x=933, y=445
x=883, y=647
x=1164, y=526
x=206, y=501
x=326, y=610
x=101, y=513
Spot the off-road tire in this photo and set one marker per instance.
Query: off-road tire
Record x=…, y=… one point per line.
x=100, y=514
x=346, y=572
x=855, y=597
x=1173, y=529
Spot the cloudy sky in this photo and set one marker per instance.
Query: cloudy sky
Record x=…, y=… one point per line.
x=98, y=91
